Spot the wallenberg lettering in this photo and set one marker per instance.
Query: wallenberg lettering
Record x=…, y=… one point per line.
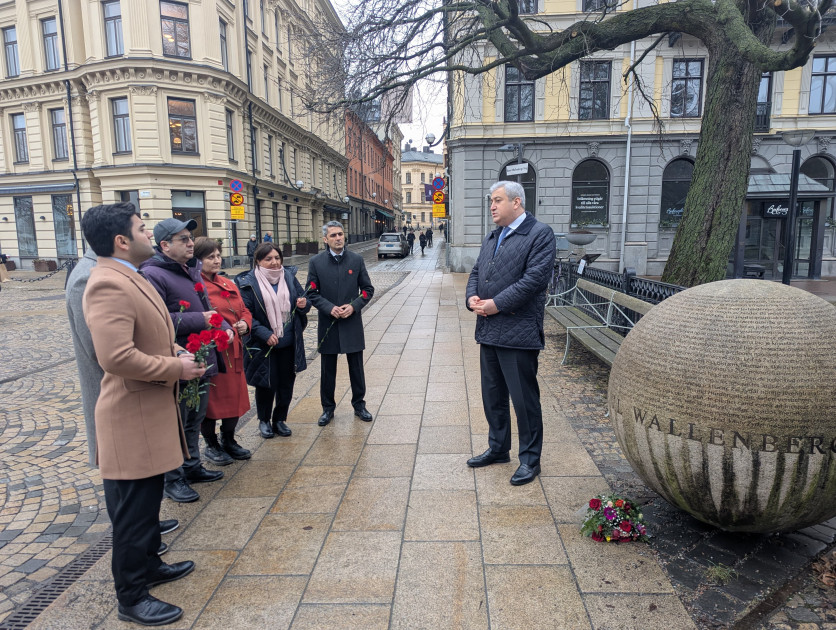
x=764, y=442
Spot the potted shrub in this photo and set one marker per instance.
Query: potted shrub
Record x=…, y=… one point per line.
x=44, y=265
x=10, y=265
x=301, y=247
x=287, y=249
x=313, y=247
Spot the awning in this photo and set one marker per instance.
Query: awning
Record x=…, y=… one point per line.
x=33, y=189
x=385, y=214
x=337, y=209
x=772, y=184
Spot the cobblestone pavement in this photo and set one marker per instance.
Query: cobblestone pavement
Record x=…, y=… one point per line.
x=52, y=505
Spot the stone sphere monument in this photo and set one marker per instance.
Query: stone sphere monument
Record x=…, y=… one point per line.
x=723, y=398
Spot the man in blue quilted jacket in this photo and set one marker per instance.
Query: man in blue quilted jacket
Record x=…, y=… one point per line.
x=507, y=291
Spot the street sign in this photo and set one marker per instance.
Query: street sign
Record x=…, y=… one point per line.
x=438, y=197
x=236, y=199
x=439, y=210
x=236, y=212
x=236, y=186
x=438, y=183
x=517, y=169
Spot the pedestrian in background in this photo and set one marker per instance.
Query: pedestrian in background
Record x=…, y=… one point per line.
x=422, y=241
x=175, y=274
x=410, y=238
x=229, y=398
x=139, y=436
x=268, y=237
x=251, y=245
x=507, y=291
x=276, y=350
x=342, y=290
x=429, y=236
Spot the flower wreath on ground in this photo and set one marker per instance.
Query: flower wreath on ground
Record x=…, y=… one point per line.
x=610, y=518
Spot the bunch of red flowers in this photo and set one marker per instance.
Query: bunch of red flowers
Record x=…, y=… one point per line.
x=199, y=344
x=612, y=518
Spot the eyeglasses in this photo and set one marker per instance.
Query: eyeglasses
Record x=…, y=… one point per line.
x=184, y=239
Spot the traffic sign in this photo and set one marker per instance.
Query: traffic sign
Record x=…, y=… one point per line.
x=236, y=212
x=438, y=197
x=236, y=199
x=439, y=210
x=236, y=185
x=438, y=183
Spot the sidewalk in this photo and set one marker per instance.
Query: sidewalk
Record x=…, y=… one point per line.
x=382, y=525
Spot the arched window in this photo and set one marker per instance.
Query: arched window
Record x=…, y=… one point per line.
x=528, y=181
x=821, y=169
x=676, y=180
x=590, y=194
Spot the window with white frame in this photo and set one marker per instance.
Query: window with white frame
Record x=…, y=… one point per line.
x=21, y=144
x=823, y=85
x=224, y=49
x=182, y=125
x=519, y=96
x=49, y=30
x=594, y=96
x=59, y=134
x=113, y=28
x=230, y=135
x=121, y=125
x=10, y=52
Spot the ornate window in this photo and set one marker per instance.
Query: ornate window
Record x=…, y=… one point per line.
x=182, y=125
x=676, y=181
x=590, y=194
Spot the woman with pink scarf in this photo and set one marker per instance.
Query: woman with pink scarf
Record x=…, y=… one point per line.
x=275, y=351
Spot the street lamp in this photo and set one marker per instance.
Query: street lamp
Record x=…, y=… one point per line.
x=795, y=138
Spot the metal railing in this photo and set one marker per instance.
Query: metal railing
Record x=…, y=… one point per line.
x=651, y=291
x=762, y=119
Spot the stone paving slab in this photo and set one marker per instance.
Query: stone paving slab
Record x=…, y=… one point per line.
x=375, y=525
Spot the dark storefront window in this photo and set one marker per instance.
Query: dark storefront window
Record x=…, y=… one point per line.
x=590, y=194
x=25, y=222
x=62, y=217
x=676, y=181
x=189, y=204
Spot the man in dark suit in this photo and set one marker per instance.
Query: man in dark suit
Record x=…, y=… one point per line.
x=342, y=289
x=138, y=432
x=507, y=291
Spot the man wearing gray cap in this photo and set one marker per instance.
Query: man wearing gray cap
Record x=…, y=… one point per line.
x=175, y=273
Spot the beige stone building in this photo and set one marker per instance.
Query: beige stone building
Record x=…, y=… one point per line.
x=163, y=103
x=418, y=168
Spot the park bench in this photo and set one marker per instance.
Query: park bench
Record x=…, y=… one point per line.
x=593, y=314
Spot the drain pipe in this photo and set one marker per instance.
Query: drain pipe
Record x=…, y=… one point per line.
x=71, y=125
x=628, y=124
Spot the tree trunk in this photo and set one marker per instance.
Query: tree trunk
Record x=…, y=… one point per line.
x=708, y=229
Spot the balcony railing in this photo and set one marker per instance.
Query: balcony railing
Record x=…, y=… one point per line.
x=762, y=117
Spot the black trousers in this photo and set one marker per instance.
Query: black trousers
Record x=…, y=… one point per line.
x=282, y=379
x=512, y=372
x=328, y=380
x=192, y=419
x=134, y=509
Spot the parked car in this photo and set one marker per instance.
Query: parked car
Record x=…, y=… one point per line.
x=392, y=244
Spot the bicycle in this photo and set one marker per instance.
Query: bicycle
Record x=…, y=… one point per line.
x=558, y=284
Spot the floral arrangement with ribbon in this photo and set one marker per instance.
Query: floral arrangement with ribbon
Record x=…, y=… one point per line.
x=610, y=518
x=199, y=345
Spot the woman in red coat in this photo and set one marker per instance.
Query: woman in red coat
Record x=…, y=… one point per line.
x=229, y=398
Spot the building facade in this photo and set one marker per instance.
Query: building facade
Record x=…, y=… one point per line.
x=371, y=171
x=589, y=155
x=419, y=170
x=165, y=104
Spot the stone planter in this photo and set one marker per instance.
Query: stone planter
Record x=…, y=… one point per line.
x=722, y=400
x=287, y=250
x=45, y=265
x=313, y=248
x=10, y=265
x=301, y=249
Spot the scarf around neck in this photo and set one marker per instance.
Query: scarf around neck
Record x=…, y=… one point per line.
x=276, y=303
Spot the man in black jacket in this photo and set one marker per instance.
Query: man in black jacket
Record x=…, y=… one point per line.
x=340, y=288
x=507, y=291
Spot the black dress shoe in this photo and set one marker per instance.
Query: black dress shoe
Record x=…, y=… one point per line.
x=265, y=429
x=525, y=474
x=235, y=450
x=163, y=548
x=150, y=611
x=201, y=475
x=169, y=526
x=487, y=458
x=170, y=572
x=363, y=414
x=180, y=492
x=280, y=428
x=325, y=418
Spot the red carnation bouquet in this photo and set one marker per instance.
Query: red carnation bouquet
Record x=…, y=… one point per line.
x=199, y=344
x=610, y=518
